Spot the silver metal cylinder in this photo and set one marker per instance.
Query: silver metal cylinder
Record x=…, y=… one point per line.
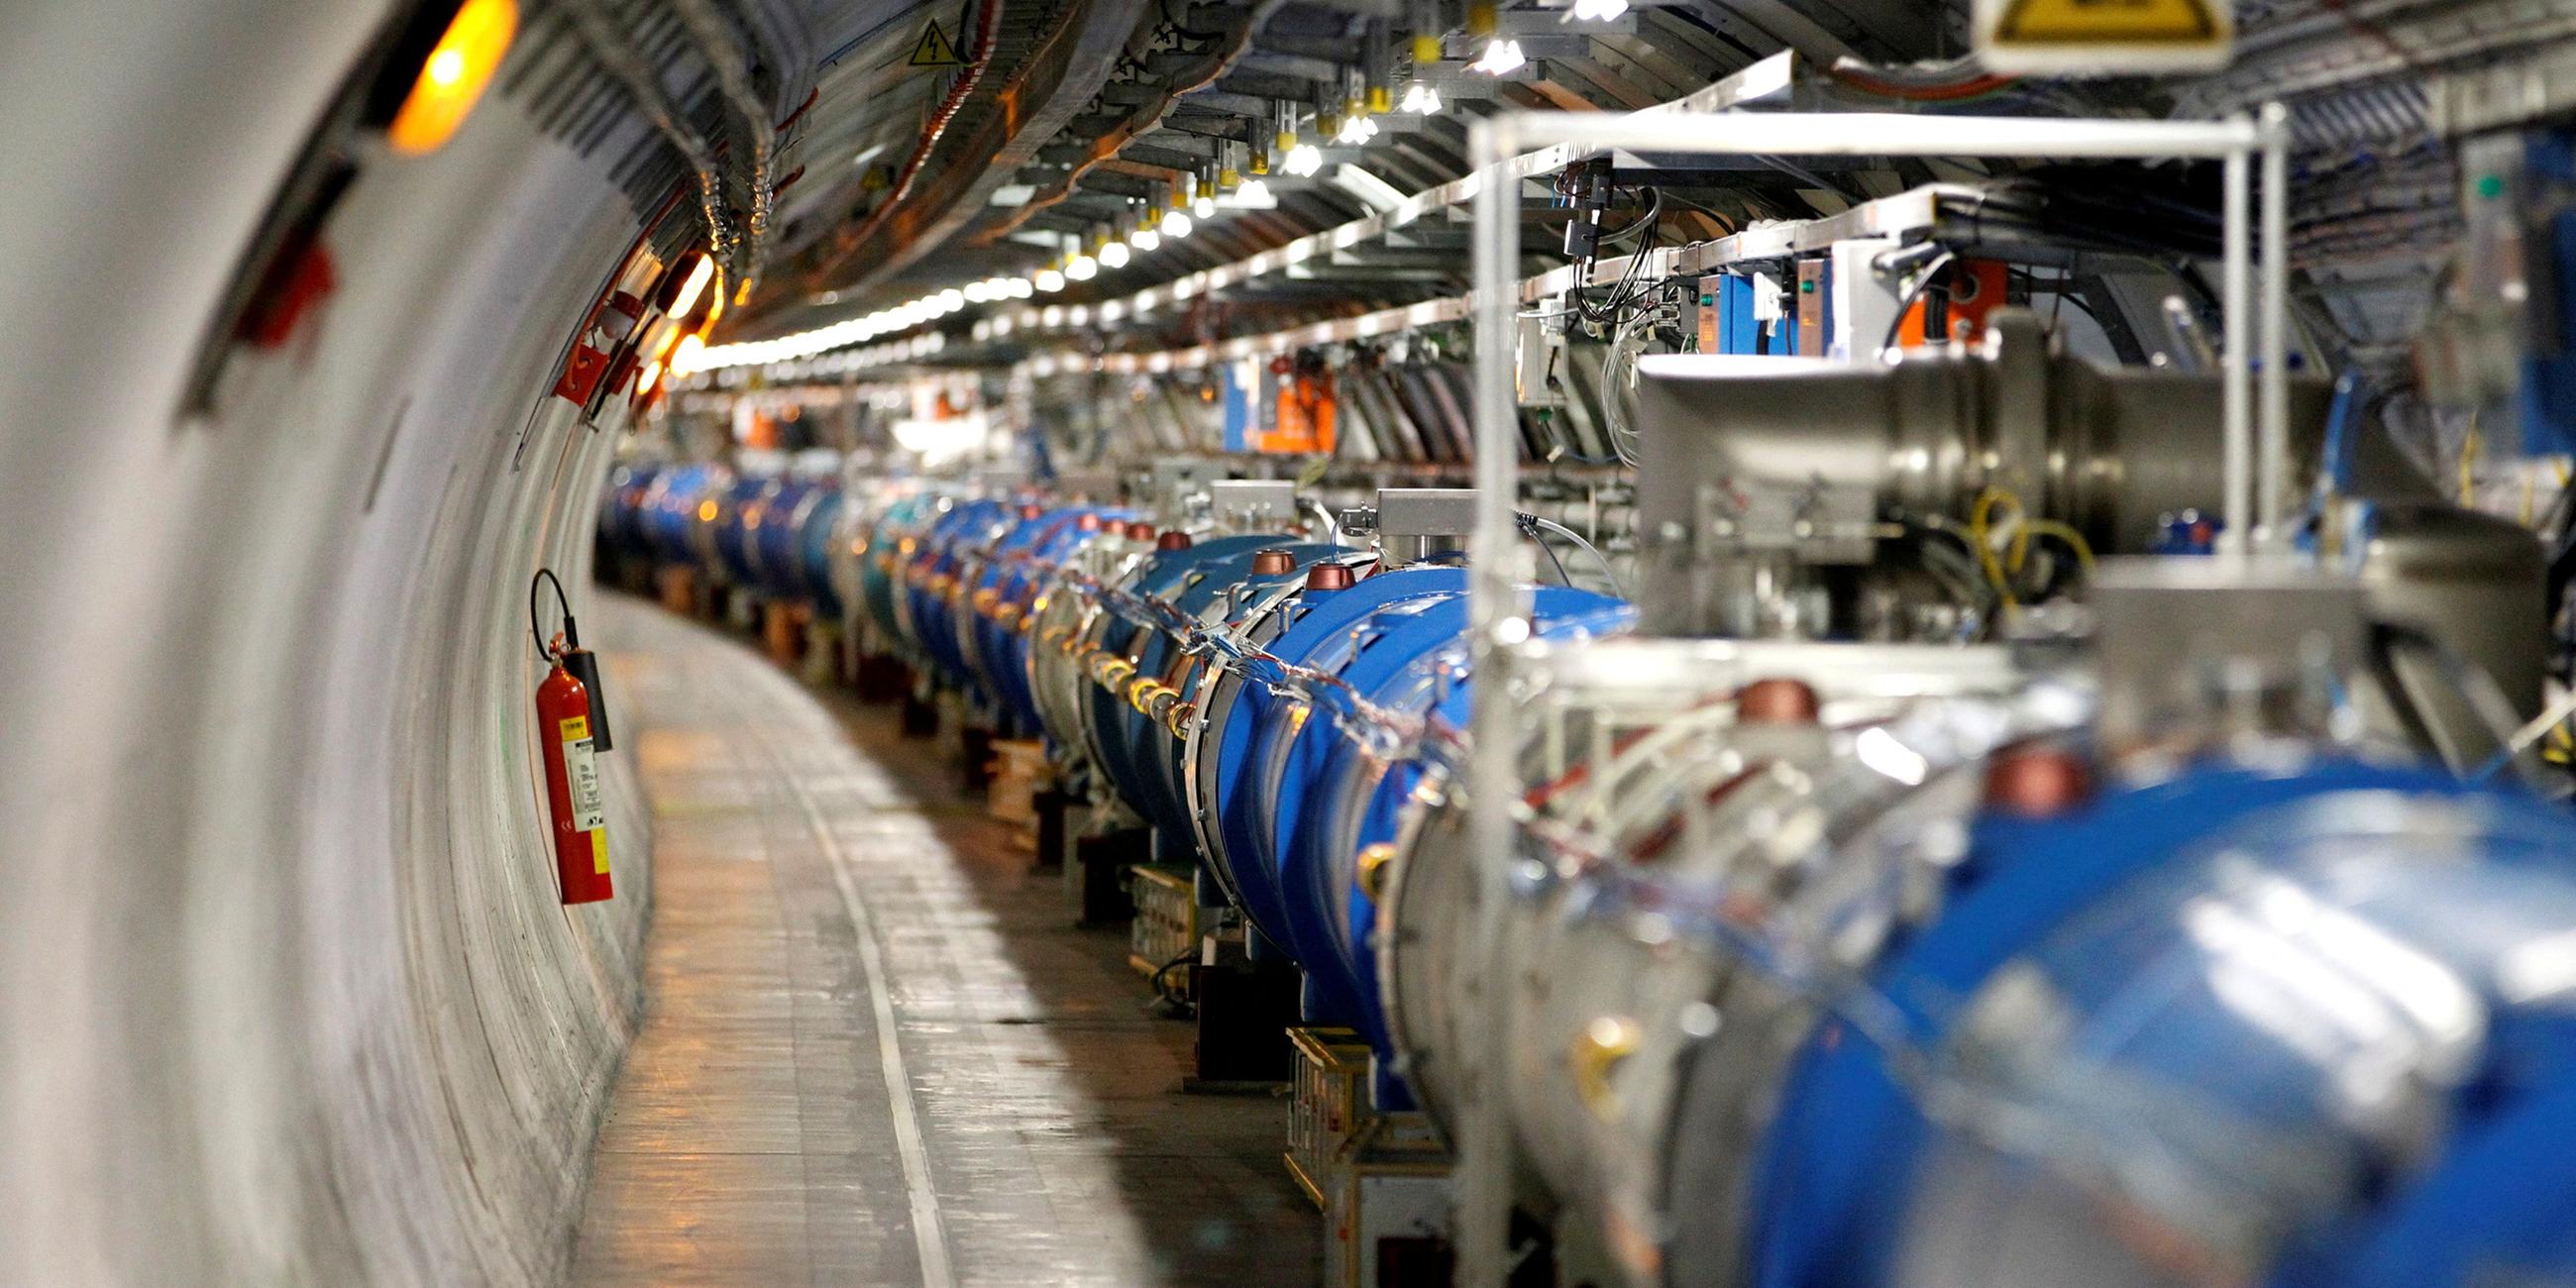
x=1791, y=463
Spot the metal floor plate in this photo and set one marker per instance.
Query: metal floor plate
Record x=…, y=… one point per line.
x=819, y=886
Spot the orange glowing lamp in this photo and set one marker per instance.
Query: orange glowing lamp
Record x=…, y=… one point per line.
x=454, y=76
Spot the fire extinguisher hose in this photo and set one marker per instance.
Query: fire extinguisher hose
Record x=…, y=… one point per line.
x=581, y=662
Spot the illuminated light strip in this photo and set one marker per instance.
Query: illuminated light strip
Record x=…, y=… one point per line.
x=806, y=344
x=1767, y=78
x=846, y=362
x=1365, y=326
x=1910, y=211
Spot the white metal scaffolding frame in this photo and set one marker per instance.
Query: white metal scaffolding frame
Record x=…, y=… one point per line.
x=1499, y=608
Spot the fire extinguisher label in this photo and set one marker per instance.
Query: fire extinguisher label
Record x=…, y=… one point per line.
x=581, y=773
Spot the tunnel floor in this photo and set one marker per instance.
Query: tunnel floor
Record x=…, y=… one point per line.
x=819, y=882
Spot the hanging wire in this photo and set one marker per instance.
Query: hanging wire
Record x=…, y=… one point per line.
x=1532, y=526
x=571, y=634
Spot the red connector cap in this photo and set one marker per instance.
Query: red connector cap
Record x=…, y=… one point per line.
x=1776, y=701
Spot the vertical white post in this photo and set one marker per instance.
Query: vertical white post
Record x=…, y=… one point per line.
x=2234, y=374
x=1484, y=1190
x=2275, y=387
x=1500, y=573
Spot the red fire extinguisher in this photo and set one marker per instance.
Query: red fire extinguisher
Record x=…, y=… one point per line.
x=572, y=734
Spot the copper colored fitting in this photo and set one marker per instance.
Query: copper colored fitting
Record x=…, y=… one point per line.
x=1776, y=701
x=1087, y=521
x=1373, y=861
x=1140, y=692
x=1173, y=540
x=1273, y=563
x=1114, y=527
x=1328, y=576
x=2034, y=780
x=1031, y=510
x=1140, y=531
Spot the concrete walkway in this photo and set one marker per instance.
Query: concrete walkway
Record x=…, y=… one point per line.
x=876, y=1051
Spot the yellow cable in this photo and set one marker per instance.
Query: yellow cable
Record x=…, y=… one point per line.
x=2468, y=463
x=2074, y=540
x=1978, y=536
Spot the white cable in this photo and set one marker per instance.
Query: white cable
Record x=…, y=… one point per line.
x=1608, y=574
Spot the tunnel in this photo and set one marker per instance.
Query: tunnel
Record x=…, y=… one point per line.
x=1564, y=643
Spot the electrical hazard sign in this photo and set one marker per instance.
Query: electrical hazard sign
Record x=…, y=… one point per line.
x=935, y=49
x=2104, y=37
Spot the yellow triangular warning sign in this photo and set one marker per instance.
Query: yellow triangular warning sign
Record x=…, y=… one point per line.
x=934, y=49
x=2103, y=37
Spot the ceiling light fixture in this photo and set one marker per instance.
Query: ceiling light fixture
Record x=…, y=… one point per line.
x=684, y=359
x=1502, y=58
x=701, y=272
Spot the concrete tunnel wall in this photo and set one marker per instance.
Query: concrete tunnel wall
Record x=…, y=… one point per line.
x=285, y=992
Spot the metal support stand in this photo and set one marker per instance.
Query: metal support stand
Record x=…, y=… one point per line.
x=975, y=770
x=1245, y=1010
x=1099, y=875
x=1051, y=805
x=920, y=709
x=879, y=676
